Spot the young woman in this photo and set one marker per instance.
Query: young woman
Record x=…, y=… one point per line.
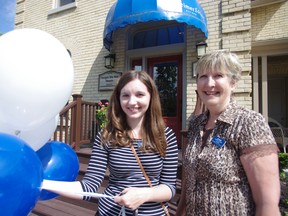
x=135, y=119
x=231, y=161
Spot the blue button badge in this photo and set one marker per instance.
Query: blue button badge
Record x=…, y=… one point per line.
x=218, y=141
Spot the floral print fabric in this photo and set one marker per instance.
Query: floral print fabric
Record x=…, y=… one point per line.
x=216, y=183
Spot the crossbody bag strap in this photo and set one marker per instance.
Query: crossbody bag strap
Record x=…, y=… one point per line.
x=146, y=176
x=140, y=165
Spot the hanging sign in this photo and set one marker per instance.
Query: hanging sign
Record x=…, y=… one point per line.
x=107, y=80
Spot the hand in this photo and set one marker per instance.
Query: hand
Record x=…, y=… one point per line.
x=132, y=197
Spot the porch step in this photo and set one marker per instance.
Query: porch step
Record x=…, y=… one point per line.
x=58, y=207
x=84, y=157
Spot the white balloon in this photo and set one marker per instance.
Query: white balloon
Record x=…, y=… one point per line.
x=36, y=137
x=36, y=78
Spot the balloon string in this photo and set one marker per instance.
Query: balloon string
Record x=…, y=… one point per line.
x=122, y=212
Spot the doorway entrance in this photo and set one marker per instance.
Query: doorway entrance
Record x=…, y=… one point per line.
x=167, y=74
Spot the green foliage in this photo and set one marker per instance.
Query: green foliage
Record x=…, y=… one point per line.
x=283, y=164
x=101, y=114
x=283, y=161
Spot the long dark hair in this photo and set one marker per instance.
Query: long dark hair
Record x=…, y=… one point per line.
x=117, y=131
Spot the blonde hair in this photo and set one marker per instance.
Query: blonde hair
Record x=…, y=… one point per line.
x=220, y=60
x=117, y=131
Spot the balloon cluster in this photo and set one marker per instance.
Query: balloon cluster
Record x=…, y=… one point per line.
x=36, y=80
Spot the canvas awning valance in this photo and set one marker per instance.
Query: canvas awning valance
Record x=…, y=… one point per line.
x=126, y=12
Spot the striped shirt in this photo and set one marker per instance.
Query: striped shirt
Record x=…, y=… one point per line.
x=125, y=172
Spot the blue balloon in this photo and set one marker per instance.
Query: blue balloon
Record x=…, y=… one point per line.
x=60, y=163
x=21, y=175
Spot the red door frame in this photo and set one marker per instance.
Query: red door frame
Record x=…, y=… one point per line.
x=174, y=122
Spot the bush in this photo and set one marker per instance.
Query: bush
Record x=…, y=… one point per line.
x=101, y=114
x=283, y=165
x=283, y=161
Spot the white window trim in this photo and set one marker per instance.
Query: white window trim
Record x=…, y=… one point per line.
x=62, y=8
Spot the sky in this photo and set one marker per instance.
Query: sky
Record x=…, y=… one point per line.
x=7, y=14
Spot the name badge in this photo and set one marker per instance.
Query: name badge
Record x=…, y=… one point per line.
x=219, y=142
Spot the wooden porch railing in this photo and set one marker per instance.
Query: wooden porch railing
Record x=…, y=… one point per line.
x=77, y=123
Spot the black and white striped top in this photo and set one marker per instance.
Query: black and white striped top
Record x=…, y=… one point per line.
x=125, y=172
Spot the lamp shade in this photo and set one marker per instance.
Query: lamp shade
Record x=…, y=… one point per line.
x=110, y=61
x=201, y=49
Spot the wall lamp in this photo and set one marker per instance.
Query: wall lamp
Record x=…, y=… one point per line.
x=194, y=64
x=110, y=61
x=201, y=49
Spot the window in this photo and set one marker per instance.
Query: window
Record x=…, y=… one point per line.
x=64, y=2
x=62, y=5
x=136, y=64
x=158, y=37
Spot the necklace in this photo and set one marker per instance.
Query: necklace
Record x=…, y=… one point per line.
x=138, y=141
x=134, y=134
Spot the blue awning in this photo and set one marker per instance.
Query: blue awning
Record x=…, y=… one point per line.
x=126, y=12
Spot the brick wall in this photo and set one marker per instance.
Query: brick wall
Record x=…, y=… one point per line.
x=270, y=22
x=229, y=24
x=80, y=29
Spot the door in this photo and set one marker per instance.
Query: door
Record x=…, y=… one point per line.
x=167, y=74
x=277, y=100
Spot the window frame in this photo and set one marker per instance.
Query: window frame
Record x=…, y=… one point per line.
x=56, y=8
x=140, y=27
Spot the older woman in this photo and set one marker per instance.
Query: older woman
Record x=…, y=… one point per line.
x=231, y=160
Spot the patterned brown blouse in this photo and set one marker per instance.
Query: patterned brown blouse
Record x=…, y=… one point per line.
x=216, y=183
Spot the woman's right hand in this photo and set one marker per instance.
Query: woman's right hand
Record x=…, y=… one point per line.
x=132, y=197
